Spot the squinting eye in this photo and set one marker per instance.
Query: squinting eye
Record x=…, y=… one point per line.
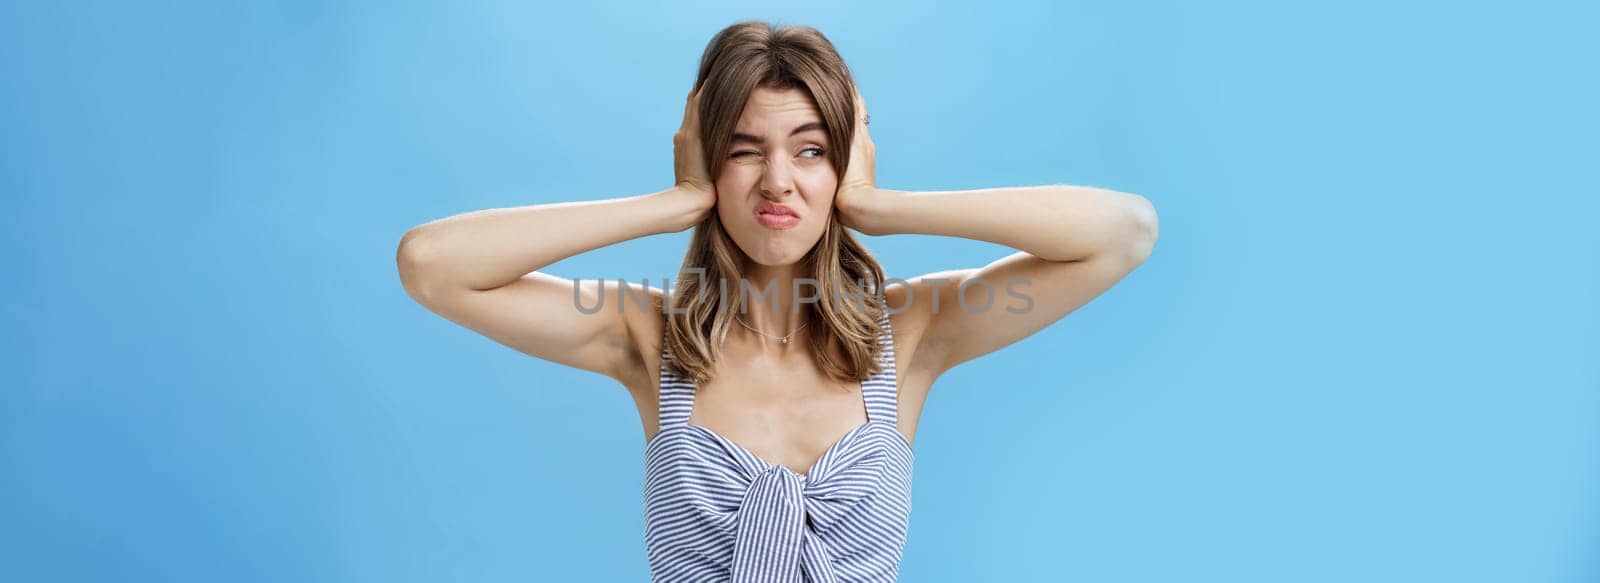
x=819, y=152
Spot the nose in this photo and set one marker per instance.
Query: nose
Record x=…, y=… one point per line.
x=778, y=180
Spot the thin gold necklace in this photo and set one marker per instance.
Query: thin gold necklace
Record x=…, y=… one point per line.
x=781, y=339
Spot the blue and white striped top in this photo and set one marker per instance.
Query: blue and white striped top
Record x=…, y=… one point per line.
x=714, y=511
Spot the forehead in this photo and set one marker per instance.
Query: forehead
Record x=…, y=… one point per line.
x=773, y=111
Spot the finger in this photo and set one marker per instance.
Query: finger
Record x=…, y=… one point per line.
x=691, y=109
x=862, y=119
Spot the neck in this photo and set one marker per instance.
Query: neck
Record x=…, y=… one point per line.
x=770, y=306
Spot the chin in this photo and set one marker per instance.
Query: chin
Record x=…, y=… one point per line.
x=775, y=261
x=777, y=254
x=775, y=249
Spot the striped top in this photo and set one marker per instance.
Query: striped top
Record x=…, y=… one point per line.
x=714, y=511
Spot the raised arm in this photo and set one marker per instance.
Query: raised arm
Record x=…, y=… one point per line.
x=1075, y=242
x=479, y=269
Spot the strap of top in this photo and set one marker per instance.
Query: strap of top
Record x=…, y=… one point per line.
x=676, y=394
x=879, y=390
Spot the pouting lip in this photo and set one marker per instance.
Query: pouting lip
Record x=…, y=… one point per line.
x=772, y=208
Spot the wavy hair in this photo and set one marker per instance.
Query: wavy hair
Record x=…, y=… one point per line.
x=849, y=280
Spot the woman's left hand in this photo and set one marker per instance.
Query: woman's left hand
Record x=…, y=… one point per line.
x=859, y=187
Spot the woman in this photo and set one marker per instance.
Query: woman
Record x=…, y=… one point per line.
x=781, y=381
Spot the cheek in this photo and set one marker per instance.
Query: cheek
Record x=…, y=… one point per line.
x=821, y=190
x=732, y=182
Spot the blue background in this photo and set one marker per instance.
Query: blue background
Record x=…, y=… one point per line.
x=1365, y=348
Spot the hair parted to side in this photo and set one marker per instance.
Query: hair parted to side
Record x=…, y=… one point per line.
x=849, y=280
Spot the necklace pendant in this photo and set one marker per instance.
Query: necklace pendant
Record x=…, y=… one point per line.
x=783, y=340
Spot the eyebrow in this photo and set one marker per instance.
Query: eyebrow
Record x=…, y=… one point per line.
x=739, y=138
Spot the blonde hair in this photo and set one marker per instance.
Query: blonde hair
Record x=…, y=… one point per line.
x=738, y=59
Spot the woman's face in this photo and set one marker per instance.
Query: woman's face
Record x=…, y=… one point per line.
x=777, y=165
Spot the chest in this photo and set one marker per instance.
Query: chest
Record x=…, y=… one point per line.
x=789, y=418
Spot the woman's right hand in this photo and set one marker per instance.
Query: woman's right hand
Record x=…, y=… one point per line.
x=689, y=165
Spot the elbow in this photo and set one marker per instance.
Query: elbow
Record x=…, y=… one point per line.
x=1143, y=228
x=414, y=259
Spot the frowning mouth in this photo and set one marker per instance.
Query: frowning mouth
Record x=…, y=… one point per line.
x=776, y=216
